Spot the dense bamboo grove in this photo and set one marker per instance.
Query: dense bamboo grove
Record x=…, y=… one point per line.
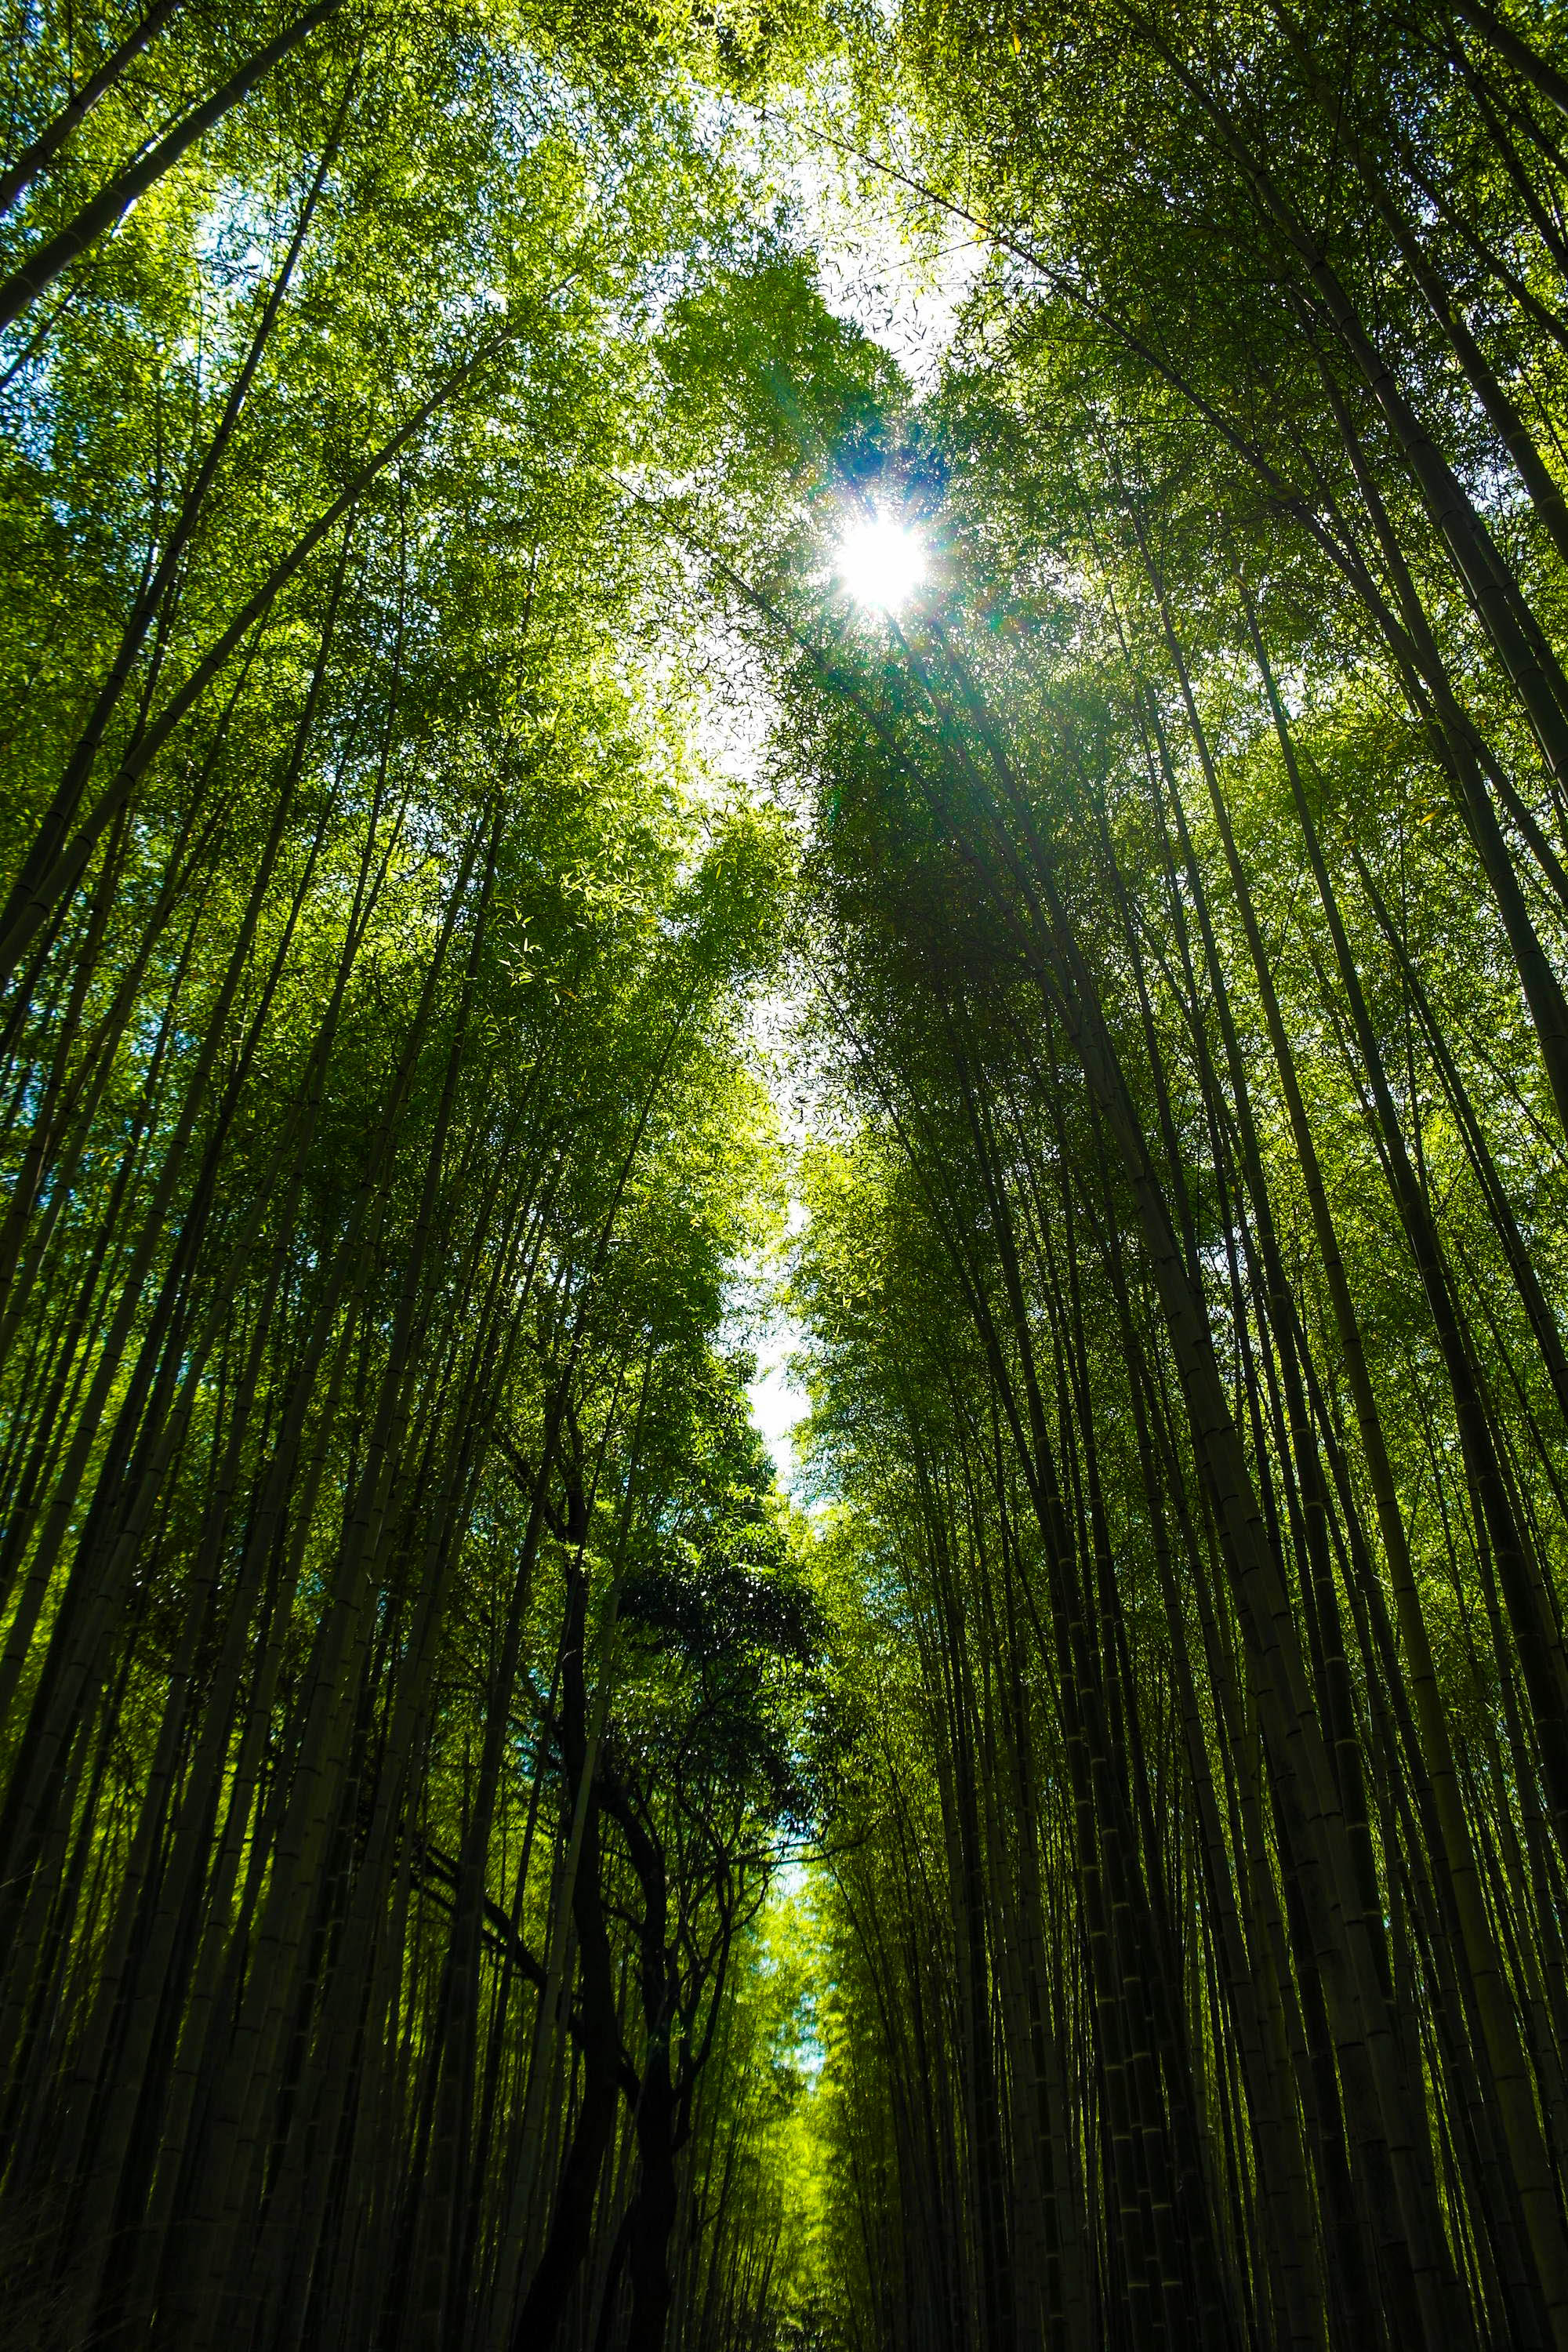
x=423, y=433
x=404, y=1654
x=1185, y=1285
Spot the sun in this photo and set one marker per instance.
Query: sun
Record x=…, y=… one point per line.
x=881, y=562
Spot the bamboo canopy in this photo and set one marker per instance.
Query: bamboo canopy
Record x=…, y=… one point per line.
x=885, y=684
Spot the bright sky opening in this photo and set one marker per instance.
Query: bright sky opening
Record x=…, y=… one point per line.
x=881, y=562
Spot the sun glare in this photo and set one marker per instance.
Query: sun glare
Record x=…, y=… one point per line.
x=881, y=562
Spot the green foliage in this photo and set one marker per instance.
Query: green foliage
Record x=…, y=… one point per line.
x=478, y=1866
